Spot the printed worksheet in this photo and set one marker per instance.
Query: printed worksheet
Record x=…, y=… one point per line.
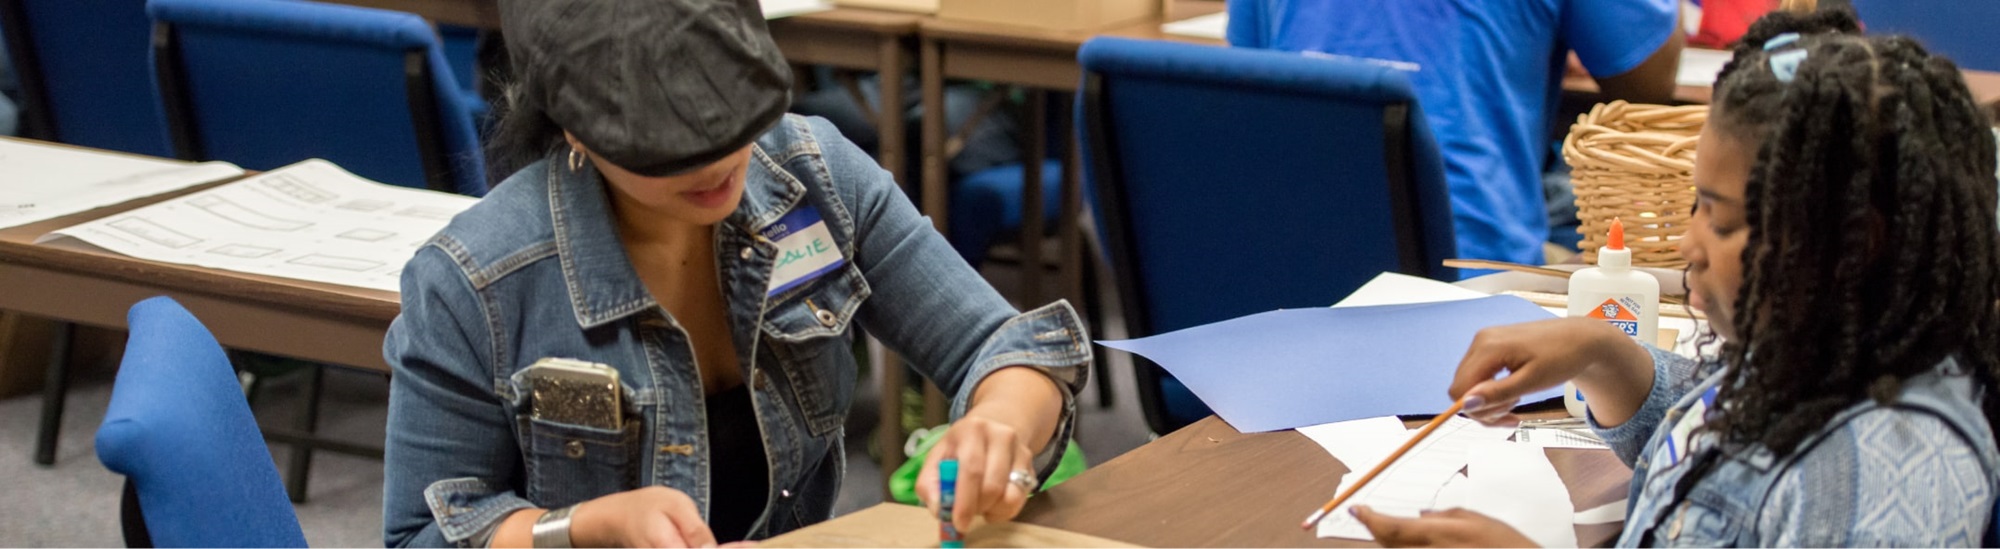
x=44, y=181
x=310, y=221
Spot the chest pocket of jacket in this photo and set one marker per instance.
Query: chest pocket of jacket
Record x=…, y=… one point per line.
x=569, y=464
x=807, y=330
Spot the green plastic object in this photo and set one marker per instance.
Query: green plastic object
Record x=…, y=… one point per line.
x=903, y=483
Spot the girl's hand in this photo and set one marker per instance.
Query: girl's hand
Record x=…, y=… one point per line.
x=987, y=451
x=654, y=516
x=1452, y=528
x=1537, y=355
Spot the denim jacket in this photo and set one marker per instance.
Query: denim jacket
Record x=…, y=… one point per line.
x=536, y=270
x=1920, y=471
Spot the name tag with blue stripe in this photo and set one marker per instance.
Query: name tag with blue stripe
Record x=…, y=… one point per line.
x=806, y=249
x=1681, y=437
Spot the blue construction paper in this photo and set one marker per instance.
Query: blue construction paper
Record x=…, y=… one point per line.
x=1296, y=367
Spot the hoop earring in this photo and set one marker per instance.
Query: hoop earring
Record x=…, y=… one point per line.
x=575, y=160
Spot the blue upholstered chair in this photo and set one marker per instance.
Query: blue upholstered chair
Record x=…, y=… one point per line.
x=82, y=69
x=1959, y=29
x=1234, y=181
x=987, y=205
x=265, y=83
x=197, y=473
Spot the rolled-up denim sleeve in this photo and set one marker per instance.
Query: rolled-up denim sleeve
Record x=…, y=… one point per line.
x=450, y=459
x=1672, y=375
x=934, y=309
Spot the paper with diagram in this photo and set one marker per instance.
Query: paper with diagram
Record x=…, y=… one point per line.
x=46, y=181
x=310, y=221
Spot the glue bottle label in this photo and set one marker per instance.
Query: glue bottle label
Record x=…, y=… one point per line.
x=1622, y=312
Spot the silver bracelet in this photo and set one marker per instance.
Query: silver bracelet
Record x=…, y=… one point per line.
x=551, y=531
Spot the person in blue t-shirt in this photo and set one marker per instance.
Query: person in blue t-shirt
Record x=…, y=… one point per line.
x=1488, y=75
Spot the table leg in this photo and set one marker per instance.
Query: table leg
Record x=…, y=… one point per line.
x=55, y=389
x=893, y=61
x=307, y=422
x=936, y=197
x=1033, y=150
x=892, y=57
x=1070, y=232
x=889, y=431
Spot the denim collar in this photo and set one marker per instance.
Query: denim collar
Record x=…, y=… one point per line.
x=602, y=285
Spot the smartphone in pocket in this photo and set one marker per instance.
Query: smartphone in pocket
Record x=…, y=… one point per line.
x=575, y=392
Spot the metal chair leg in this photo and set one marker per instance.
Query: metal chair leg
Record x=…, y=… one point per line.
x=308, y=423
x=55, y=389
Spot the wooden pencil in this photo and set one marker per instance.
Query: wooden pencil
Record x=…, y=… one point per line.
x=1315, y=517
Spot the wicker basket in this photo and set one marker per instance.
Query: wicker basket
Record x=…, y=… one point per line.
x=1635, y=162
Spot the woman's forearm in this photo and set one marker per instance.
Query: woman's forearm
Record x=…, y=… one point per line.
x=1617, y=384
x=1023, y=398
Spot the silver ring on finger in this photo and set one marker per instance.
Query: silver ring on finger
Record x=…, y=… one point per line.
x=1023, y=479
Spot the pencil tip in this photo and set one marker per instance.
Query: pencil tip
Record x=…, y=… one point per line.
x=1312, y=519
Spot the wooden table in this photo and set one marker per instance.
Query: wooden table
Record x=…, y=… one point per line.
x=1208, y=485
x=77, y=283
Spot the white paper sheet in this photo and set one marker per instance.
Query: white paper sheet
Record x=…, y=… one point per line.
x=776, y=9
x=1515, y=484
x=1214, y=25
x=1414, y=482
x=1398, y=289
x=310, y=221
x=1699, y=67
x=1358, y=441
x=47, y=181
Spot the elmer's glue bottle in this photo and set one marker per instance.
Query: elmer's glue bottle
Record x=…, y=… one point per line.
x=1614, y=293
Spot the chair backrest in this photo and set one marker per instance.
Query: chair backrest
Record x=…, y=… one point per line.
x=265, y=83
x=82, y=71
x=181, y=432
x=1959, y=29
x=1234, y=181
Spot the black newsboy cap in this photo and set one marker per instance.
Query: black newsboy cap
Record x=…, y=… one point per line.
x=654, y=86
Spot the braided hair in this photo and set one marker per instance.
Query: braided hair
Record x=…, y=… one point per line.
x=1873, y=252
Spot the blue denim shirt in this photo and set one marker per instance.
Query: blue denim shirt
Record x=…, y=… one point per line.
x=536, y=270
x=1918, y=472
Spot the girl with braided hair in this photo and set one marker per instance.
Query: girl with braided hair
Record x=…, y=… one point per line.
x=1845, y=253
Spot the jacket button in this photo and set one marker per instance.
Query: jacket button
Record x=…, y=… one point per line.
x=825, y=317
x=747, y=252
x=573, y=449
x=785, y=493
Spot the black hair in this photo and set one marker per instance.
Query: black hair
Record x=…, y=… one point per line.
x=1873, y=253
x=522, y=131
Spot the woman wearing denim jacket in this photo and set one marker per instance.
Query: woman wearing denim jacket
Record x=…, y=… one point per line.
x=1843, y=245
x=722, y=257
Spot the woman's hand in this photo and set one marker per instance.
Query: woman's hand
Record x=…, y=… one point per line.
x=654, y=516
x=1539, y=355
x=987, y=452
x=1451, y=528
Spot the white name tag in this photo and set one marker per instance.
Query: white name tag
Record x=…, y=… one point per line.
x=806, y=249
x=1681, y=438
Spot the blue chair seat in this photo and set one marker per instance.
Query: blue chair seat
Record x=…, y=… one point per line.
x=987, y=205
